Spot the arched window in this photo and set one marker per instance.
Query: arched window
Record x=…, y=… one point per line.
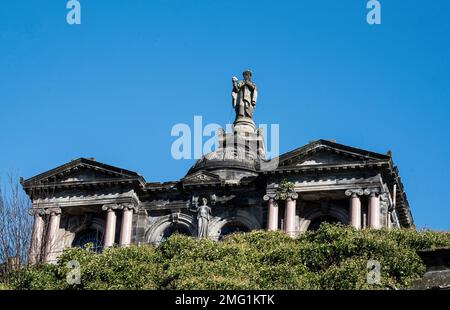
x=175, y=229
x=89, y=236
x=315, y=224
x=232, y=228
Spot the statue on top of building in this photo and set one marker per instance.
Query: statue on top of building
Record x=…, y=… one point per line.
x=244, y=96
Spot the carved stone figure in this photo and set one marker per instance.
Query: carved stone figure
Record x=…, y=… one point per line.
x=203, y=213
x=244, y=96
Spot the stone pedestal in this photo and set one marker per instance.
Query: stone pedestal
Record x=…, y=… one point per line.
x=437, y=276
x=244, y=144
x=244, y=125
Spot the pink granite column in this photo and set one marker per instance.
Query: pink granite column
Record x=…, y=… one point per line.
x=355, y=211
x=272, y=215
x=389, y=220
x=355, y=207
x=374, y=211
x=36, y=237
x=51, y=246
x=289, y=215
x=110, y=229
x=125, y=230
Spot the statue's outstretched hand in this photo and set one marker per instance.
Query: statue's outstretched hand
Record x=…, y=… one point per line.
x=234, y=79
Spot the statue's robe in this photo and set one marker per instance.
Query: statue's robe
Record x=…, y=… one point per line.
x=203, y=220
x=244, y=99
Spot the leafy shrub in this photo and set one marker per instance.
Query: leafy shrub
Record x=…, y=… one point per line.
x=333, y=257
x=44, y=277
x=4, y=287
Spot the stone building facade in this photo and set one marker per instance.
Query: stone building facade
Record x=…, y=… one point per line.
x=229, y=190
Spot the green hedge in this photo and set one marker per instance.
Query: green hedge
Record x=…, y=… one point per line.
x=333, y=257
x=4, y=287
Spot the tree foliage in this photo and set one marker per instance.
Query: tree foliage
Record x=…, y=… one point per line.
x=285, y=189
x=15, y=226
x=333, y=257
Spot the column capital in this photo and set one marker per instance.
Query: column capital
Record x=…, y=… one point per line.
x=111, y=206
x=292, y=196
x=37, y=211
x=286, y=195
x=53, y=211
x=269, y=196
x=354, y=192
x=128, y=206
x=372, y=191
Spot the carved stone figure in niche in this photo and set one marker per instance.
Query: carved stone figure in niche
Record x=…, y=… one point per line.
x=203, y=216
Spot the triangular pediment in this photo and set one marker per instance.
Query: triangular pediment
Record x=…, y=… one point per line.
x=81, y=170
x=323, y=152
x=323, y=157
x=201, y=177
x=84, y=174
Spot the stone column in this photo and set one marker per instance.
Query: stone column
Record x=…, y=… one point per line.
x=289, y=215
x=110, y=229
x=37, y=235
x=272, y=213
x=51, y=246
x=389, y=221
x=374, y=210
x=355, y=207
x=384, y=208
x=127, y=221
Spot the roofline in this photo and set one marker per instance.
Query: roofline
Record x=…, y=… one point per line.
x=405, y=208
x=350, y=149
x=81, y=160
x=356, y=164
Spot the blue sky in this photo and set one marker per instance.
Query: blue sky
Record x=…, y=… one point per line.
x=113, y=87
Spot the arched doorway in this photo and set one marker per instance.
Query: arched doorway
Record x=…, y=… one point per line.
x=175, y=229
x=164, y=227
x=315, y=224
x=89, y=236
x=232, y=228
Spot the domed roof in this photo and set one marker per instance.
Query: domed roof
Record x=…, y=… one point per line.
x=238, y=155
x=220, y=160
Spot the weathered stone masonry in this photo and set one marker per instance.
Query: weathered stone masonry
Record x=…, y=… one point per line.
x=229, y=190
x=87, y=201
